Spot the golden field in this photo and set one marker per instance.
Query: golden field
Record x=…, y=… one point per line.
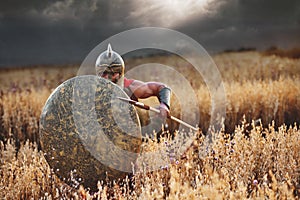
x=254, y=156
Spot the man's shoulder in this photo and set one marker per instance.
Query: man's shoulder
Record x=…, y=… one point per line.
x=127, y=82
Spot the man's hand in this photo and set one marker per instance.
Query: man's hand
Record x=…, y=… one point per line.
x=164, y=111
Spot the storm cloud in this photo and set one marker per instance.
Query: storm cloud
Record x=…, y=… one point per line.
x=255, y=23
x=56, y=32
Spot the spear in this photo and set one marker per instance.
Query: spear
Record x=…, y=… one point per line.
x=146, y=107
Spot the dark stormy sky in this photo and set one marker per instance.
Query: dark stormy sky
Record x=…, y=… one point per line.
x=65, y=31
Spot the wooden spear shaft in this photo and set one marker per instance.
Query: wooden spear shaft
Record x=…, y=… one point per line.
x=146, y=107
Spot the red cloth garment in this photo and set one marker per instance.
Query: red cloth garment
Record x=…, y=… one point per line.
x=127, y=82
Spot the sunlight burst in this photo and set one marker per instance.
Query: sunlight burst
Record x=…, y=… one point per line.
x=169, y=13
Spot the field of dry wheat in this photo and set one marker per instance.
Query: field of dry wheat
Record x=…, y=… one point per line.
x=254, y=156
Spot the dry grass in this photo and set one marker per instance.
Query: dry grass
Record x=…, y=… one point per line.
x=253, y=160
x=257, y=86
x=253, y=167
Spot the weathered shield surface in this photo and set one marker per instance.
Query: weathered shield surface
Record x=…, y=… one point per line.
x=87, y=134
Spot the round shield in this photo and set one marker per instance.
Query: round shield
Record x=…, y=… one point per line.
x=87, y=133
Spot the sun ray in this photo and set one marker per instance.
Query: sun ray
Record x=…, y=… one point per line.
x=168, y=13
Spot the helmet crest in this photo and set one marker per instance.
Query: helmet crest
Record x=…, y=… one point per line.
x=109, y=50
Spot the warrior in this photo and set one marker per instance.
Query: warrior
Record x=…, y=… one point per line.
x=110, y=65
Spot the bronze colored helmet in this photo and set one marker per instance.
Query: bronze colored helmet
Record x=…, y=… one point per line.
x=109, y=62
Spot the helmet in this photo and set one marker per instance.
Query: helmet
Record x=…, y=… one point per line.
x=109, y=62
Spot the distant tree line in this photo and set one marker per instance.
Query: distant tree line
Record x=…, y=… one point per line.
x=273, y=50
x=290, y=53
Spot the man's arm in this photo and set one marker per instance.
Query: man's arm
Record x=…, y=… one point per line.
x=147, y=89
